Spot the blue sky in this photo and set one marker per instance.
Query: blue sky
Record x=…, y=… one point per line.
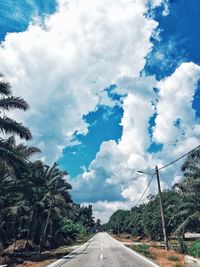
x=103, y=126
x=16, y=16
x=110, y=91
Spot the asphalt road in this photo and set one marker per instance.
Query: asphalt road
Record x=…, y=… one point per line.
x=103, y=251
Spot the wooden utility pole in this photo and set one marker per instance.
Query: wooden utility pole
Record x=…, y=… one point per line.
x=161, y=210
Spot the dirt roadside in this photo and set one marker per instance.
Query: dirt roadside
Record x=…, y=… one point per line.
x=161, y=255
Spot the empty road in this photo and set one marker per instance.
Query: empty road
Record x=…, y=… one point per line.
x=103, y=251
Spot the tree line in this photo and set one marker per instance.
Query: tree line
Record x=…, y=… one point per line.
x=35, y=200
x=181, y=205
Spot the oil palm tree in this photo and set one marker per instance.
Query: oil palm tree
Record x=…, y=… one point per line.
x=14, y=208
x=10, y=126
x=189, y=188
x=9, y=102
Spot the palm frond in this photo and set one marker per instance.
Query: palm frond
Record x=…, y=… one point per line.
x=184, y=224
x=11, y=141
x=9, y=126
x=11, y=102
x=27, y=152
x=5, y=88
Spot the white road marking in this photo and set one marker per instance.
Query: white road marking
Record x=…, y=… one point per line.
x=135, y=253
x=101, y=256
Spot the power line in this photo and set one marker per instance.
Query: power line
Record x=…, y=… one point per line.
x=165, y=180
x=174, y=161
x=145, y=189
x=163, y=167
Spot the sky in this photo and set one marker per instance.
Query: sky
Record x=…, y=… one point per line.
x=113, y=88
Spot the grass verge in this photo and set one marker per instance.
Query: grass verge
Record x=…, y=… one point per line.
x=144, y=250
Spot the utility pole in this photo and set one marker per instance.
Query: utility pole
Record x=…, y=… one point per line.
x=161, y=210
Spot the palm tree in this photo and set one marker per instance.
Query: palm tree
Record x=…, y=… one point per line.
x=9, y=102
x=14, y=208
x=189, y=188
x=16, y=161
x=45, y=189
x=8, y=155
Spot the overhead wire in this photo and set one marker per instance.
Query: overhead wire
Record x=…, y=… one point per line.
x=145, y=189
x=165, y=180
x=163, y=167
x=174, y=161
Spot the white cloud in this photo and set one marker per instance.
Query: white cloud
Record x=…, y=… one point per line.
x=175, y=104
x=104, y=209
x=61, y=66
x=116, y=164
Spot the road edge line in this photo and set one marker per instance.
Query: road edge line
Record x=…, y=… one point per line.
x=61, y=261
x=136, y=253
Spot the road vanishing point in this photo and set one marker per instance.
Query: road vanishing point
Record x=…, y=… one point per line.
x=103, y=251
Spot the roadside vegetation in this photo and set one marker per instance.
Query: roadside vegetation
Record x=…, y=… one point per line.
x=181, y=209
x=37, y=211
x=144, y=250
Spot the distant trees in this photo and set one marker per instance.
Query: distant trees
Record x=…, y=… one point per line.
x=181, y=207
x=119, y=222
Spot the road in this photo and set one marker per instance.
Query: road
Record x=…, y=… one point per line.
x=103, y=251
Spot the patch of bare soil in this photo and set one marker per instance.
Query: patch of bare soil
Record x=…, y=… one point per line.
x=160, y=253
x=163, y=255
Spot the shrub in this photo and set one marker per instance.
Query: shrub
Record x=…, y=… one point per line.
x=173, y=258
x=194, y=249
x=71, y=229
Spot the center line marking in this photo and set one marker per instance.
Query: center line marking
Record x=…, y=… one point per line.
x=101, y=256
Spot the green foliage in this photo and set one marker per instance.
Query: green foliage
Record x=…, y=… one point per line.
x=144, y=250
x=10, y=159
x=136, y=222
x=118, y=222
x=37, y=206
x=145, y=220
x=194, y=249
x=173, y=258
x=35, y=202
x=181, y=206
x=71, y=229
x=189, y=188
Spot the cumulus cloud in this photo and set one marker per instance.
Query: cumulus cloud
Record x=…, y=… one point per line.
x=61, y=63
x=175, y=113
x=176, y=127
x=103, y=209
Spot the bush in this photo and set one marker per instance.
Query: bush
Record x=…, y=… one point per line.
x=173, y=258
x=144, y=250
x=71, y=229
x=194, y=249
